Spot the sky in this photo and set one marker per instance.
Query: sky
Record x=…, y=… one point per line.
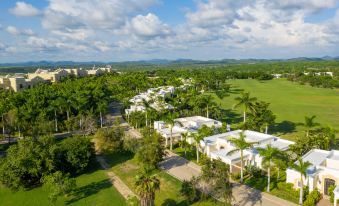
x=127, y=30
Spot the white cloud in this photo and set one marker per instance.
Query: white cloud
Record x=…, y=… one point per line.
x=24, y=9
x=214, y=28
x=14, y=31
x=148, y=26
x=91, y=14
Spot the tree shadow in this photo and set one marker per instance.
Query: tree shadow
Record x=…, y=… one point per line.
x=171, y=162
x=169, y=202
x=88, y=190
x=232, y=116
x=284, y=127
x=118, y=158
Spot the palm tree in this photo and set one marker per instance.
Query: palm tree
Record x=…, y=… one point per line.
x=309, y=124
x=240, y=144
x=245, y=100
x=197, y=138
x=146, y=186
x=268, y=154
x=102, y=106
x=207, y=101
x=301, y=167
x=170, y=122
x=184, y=142
x=147, y=106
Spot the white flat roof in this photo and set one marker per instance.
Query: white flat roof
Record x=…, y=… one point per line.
x=334, y=155
x=223, y=155
x=316, y=156
x=251, y=136
x=281, y=144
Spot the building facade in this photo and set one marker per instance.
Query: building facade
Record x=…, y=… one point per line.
x=323, y=172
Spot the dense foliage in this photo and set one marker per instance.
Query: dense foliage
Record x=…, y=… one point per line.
x=29, y=161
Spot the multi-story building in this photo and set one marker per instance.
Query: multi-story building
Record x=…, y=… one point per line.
x=52, y=76
x=77, y=72
x=18, y=82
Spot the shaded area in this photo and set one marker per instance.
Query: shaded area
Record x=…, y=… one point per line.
x=284, y=127
x=88, y=190
x=113, y=159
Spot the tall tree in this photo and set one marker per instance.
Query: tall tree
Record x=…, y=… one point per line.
x=184, y=142
x=268, y=155
x=147, y=106
x=245, y=101
x=240, y=145
x=301, y=167
x=146, y=186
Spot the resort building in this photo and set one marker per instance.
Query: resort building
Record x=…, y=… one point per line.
x=76, y=72
x=154, y=96
x=323, y=172
x=18, y=82
x=218, y=146
x=51, y=76
x=183, y=125
x=99, y=71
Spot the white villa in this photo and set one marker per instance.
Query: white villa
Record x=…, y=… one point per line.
x=323, y=173
x=218, y=146
x=187, y=124
x=153, y=96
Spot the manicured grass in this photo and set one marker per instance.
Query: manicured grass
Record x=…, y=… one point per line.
x=93, y=189
x=289, y=101
x=126, y=167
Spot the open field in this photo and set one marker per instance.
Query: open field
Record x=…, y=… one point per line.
x=290, y=102
x=93, y=188
x=126, y=167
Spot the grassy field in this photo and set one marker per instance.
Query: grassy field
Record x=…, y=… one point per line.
x=126, y=167
x=93, y=188
x=290, y=102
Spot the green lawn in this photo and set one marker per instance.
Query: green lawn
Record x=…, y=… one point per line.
x=126, y=167
x=290, y=102
x=93, y=189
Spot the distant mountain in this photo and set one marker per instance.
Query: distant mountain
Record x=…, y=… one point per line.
x=160, y=62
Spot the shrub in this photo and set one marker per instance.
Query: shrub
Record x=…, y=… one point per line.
x=313, y=198
x=253, y=171
x=189, y=190
x=330, y=191
x=235, y=176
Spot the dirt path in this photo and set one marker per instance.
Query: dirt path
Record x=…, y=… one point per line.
x=122, y=188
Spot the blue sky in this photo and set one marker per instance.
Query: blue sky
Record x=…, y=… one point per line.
x=115, y=30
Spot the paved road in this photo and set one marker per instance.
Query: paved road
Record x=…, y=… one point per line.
x=182, y=169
